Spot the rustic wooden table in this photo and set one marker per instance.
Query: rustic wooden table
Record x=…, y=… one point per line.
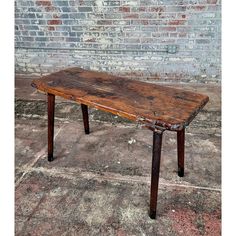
x=156, y=107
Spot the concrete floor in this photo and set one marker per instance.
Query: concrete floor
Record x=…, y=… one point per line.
x=99, y=184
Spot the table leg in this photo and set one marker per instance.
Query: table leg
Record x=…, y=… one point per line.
x=180, y=147
x=85, y=118
x=51, y=108
x=156, y=158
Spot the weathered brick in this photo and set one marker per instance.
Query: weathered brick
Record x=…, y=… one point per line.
x=63, y=28
x=70, y=22
x=77, y=15
x=61, y=3
x=38, y=22
x=33, y=9
x=148, y=15
x=60, y=39
x=177, y=22
x=111, y=3
x=124, y=9
x=22, y=21
x=169, y=28
x=41, y=39
x=64, y=16
x=31, y=27
x=85, y=9
x=39, y=15
x=25, y=33
x=51, y=28
x=32, y=33
x=18, y=33
x=131, y=16
x=194, y=26
x=198, y=7
x=202, y=41
x=40, y=33
x=29, y=15
x=157, y=9
x=104, y=22
x=54, y=22
x=66, y=9
x=211, y=1
x=77, y=28
x=73, y=39
x=112, y=16
x=44, y=3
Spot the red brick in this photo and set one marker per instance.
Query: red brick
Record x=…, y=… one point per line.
x=51, y=28
x=198, y=8
x=54, y=22
x=144, y=22
x=90, y=40
x=168, y=28
x=157, y=9
x=177, y=22
x=142, y=9
x=50, y=8
x=211, y=1
x=44, y=3
x=124, y=9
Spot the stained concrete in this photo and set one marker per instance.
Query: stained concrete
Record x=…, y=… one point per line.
x=99, y=183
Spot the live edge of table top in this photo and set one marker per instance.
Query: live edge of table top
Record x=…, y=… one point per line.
x=155, y=106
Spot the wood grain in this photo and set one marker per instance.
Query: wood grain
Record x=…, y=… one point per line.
x=155, y=106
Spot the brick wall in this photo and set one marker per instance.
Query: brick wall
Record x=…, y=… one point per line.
x=147, y=39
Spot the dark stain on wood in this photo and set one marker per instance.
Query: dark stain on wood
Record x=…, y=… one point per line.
x=155, y=106
x=34, y=85
x=150, y=97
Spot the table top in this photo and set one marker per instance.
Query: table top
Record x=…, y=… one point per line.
x=155, y=106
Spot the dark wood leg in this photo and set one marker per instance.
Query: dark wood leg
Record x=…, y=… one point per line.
x=85, y=118
x=180, y=147
x=156, y=158
x=51, y=108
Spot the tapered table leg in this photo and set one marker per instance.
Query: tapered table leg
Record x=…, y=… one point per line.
x=51, y=108
x=156, y=158
x=85, y=118
x=180, y=147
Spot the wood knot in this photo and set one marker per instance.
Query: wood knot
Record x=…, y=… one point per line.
x=34, y=85
x=72, y=97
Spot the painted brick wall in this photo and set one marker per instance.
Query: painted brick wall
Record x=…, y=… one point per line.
x=171, y=40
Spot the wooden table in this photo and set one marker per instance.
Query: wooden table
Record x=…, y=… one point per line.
x=156, y=107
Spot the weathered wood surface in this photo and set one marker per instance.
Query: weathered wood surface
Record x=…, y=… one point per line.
x=155, y=106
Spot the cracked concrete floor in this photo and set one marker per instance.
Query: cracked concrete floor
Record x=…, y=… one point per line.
x=99, y=183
